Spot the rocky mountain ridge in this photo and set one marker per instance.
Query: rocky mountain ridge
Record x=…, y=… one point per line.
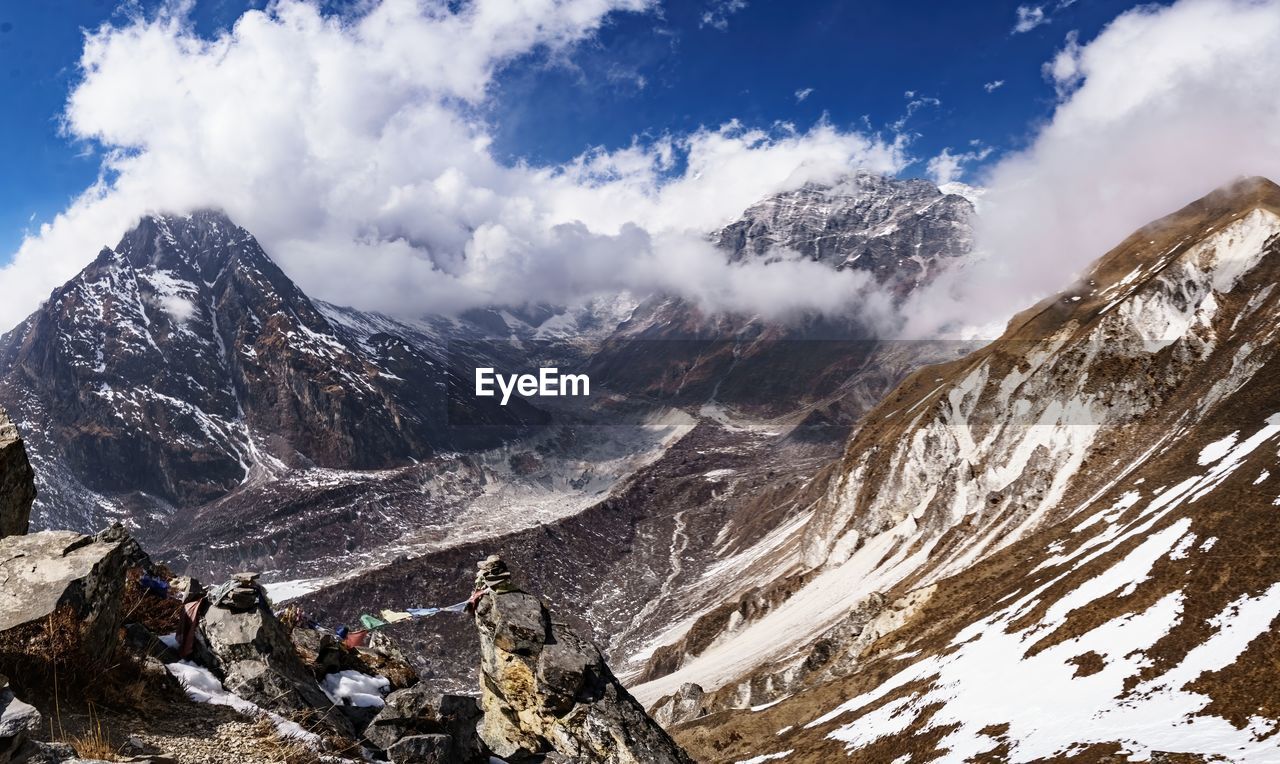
x=183, y=384
x=1076, y=508
x=902, y=232
x=183, y=364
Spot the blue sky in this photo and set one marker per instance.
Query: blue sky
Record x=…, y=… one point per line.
x=691, y=64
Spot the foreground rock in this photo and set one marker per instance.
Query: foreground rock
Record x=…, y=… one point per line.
x=17, y=485
x=255, y=655
x=416, y=724
x=547, y=690
x=45, y=572
x=17, y=721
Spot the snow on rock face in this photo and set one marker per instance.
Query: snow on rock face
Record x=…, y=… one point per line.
x=902, y=231
x=1003, y=445
x=1122, y=700
x=968, y=458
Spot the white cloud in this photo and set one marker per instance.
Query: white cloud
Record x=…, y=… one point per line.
x=993, y=86
x=1029, y=17
x=1164, y=105
x=718, y=12
x=357, y=150
x=803, y=93
x=1063, y=70
x=948, y=166
x=915, y=102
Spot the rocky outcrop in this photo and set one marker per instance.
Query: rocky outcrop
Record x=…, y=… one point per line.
x=548, y=690
x=254, y=654
x=17, y=481
x=685, y=705
x=44, y=572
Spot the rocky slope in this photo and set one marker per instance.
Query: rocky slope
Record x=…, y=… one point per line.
x=546, y=689
x=183, y=384
x=656, y=534
x=1080, y=509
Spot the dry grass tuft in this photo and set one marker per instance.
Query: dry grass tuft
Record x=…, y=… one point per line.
x=282, y=749
x=160, y=616
x=95, y=742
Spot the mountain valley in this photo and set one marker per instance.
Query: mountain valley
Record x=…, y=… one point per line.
x=795, y=541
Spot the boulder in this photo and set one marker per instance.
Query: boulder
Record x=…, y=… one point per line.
x=686, y=704
x=461, y=716
x=43, y=572
x=423, y=749
x=17, y=721
x=255, y=656
x=50, y=753
x=407, y=712
x=324, y=654
x=17, y=481
x=547, y=690
x=382, y=656
x=418, y=711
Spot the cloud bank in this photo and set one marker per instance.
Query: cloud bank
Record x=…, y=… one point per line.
x=356, y=148
x=1163, y=106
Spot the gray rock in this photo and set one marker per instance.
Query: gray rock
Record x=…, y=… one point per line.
x=17, y=481
x=863, y=220
x=461, y=716
x=520, y=625
x=547, y=690
x=36, y=752
x=412, y=711
x=17, y=717
x=418, y=711
x=254, y=654
x=42, y=572
x=140, y=639
x=17, y=721
x=685, y=705
x=423, y=749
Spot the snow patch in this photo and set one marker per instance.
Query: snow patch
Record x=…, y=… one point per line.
x=202, y=686
x=352, y=688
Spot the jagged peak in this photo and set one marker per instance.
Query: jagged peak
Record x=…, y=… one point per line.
x=860, y=182
x=203, y=240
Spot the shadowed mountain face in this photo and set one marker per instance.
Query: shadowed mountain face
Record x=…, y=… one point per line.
x=1059, y=544
x=183, y=362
